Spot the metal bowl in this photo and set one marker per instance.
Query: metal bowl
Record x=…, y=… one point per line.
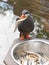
x=37, y=46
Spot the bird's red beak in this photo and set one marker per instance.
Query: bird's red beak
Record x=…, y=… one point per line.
x=22, y=16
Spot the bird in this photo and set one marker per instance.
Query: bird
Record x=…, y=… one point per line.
x=25, y=24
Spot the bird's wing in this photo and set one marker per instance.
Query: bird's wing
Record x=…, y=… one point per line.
x=19, y=21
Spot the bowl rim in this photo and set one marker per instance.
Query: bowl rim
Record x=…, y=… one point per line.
x=33, y=40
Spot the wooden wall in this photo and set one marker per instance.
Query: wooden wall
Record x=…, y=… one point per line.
x=37, y=7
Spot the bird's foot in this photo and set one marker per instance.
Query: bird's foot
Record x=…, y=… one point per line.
x=28, y=36
x=22, y=37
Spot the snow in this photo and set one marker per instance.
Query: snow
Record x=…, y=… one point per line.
x=7, y=36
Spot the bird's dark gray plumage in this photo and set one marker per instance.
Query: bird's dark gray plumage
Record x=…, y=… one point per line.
x=28, y=24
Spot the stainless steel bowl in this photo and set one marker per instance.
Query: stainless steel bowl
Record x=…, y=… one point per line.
x=37, y=46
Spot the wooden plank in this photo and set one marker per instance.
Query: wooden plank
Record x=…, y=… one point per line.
x=38, y=2
x=40, y=9
x=38, y=5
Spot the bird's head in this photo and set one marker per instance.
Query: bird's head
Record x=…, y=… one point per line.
x=25, y=13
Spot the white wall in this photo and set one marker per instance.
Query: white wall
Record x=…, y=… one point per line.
x=7, y=35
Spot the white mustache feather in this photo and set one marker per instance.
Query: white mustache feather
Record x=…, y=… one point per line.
x=19, y=21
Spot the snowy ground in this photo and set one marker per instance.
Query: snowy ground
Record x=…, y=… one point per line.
x=6, y=33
